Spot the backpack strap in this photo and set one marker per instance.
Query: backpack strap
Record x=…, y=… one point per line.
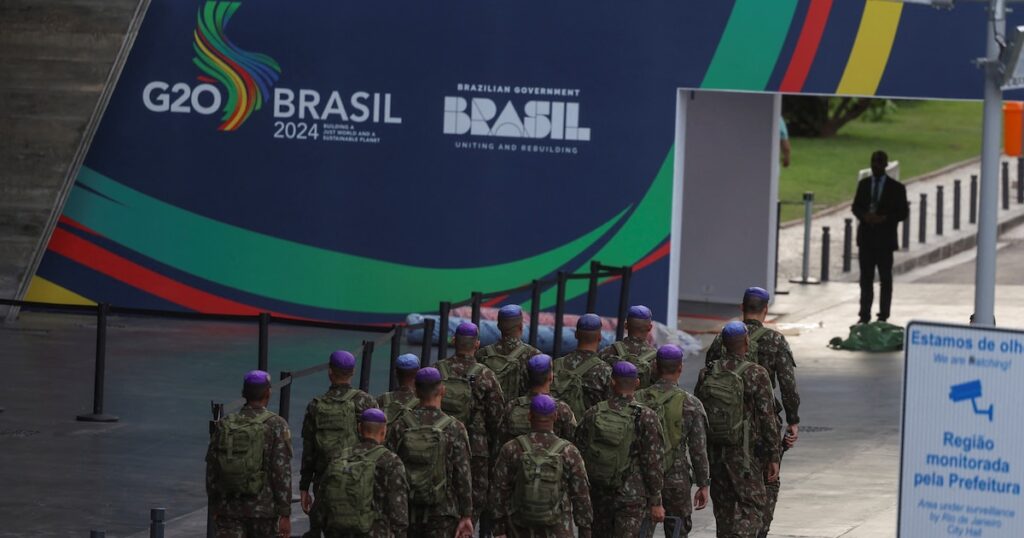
x=557, y=448
x=620, y=348
x=518, y=352
x=647, y=357
x=524, y=443
x=443, y=423
x=758, y=333
x=586, y=366
x=743, y=366
x=387, y=398
x=487, y=351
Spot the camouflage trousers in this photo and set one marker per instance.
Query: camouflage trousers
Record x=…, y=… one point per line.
x=615, y=517
x=431, y=527
x=236, y=527
x=480, y=468
x=677, y=503
x=772, y=497
x=739, y=496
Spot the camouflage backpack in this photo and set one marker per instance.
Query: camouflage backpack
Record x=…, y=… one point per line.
x=458, y=392
x=423, y=449
x=643, y=362
x=609, y=444
x=393, y=407
x=568, y=383
x=539, y=488
x=668, y=404
x=238, y=454
x=348, y=491
x=722, y=394
x=335, y=421
x=507, y=368
x=518, y=422
x=755, y=340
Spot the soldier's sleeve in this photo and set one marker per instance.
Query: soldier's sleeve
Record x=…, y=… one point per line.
x=281, y=467
x=308, y=450
x=364, y=402
x=764, y=410
x=393, y=434
x=211, y=489
x=606, y=381
x=579, y=488
x=494, y=408
x=700, y=380
x=714, y=351
x=785, y=371
x=380, y=401
x=501, y=486
x=397, y=498
x=652, y=456
x=566, y=423
x=462, y=482
x=582, y=437
x=695, y=424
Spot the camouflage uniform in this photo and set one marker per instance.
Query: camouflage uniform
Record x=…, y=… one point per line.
x=737, y=484
x=575, y=504
x=505, y=346
x=484, y=426
x=565, y=420
x=620, y=514
x=390, y=496
x=313, y=463
x=774, y=354
x=238, y=517
x=403, y=395
x=633, y=345
x=441, y=521
x=596, y=382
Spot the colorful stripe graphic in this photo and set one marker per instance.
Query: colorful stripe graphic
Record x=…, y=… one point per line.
x=246, y=76
x=750, y=45
x=806, y=46
x=871, y=48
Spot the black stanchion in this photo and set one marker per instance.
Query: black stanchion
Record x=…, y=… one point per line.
x=826, y=246
x=396, y=350
x=595, y=267
x=778, y=228
x=366, y=365
x=264, y=359
x=1020, y=180
x=956, y=204
x=906, y=229
x=534, y=311
x=972, y=214
x=97, y=534
x=627, y=276
x=847, y=244
x=442, y=330
x=284, y=406
x=938, y=210
x=556, y=350
x=1006, y=185
x=428, y=342
x=477, y=304
x=217, y=410
x=97, y=414
x=923, y=219
x=156, y=523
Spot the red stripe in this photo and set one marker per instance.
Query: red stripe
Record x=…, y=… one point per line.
x=654, y=256
x=71, y=223
x=806, y=46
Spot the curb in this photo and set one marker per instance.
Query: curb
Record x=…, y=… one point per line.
x=952, y=248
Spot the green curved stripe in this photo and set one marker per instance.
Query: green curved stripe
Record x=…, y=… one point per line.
x=288, y=271
x=750, y=45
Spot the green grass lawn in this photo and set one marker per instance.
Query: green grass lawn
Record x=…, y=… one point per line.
x=922, y=135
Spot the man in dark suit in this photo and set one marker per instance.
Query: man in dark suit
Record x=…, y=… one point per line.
x=880, y=205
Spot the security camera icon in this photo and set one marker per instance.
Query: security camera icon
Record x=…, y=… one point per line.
x=970, y=390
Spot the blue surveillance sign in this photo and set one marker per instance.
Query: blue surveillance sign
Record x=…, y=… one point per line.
x=962, y=461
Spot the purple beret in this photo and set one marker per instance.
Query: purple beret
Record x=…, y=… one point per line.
x=734, y=329
x=639, y=312
x=539, y=364
x=407, y=361
x=428, y=376
x=755, y=291
x=543, y=405
x=373, y=415
x=589, y=322
x=343, y=360
x=670, y=353
x=466, y=329
x=510, y=311
x=257, y=377
x=624, y=369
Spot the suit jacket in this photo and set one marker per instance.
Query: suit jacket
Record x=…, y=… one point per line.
x=892, y=204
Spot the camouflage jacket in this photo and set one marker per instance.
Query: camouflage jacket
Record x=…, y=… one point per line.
x=488, y=407
x=596, y=382
x=403, y=395
x=310, y=457
x=505, y=346
x=276, y=497
x=390, y=494
x=576, y=506
x=646, y=479
x=765, y=437
x=459, y=498
x=565, y=420
x=774, y=354
x=633, y=345
x=692, y=461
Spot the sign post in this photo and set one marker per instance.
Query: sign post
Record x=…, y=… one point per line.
x=962, y=459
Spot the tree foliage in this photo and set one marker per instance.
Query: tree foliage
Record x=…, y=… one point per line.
x=823, y=117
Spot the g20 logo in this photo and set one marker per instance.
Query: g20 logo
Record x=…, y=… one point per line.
x=159, y=96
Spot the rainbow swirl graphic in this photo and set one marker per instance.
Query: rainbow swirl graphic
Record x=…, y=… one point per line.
x=247, y=76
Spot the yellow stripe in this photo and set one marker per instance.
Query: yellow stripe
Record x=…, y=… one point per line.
x=43, y=291
x=871, y=48
x=236, y=81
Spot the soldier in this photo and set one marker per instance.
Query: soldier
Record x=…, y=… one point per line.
x=248, y=468
x=540, y=481
x=582, y=379
x=507, y=357
x=515, y=421
x=473, y=396
x=634, y=347
x=684, y=424
x=769, y=349
x=395, y=402
x=365, y=492
x=622, y=444
x=737, y=396
x=436, y=453
x=328, y=428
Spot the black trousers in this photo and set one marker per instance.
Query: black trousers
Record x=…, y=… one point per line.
x=870, y=258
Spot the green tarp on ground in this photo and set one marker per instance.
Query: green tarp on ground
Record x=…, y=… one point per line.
x=877, y=336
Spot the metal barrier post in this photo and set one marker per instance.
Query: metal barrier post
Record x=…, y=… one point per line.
x=922, y=219
x=595, y=267
x=364, y=367
x=956, y=204
x=1020, y=180
x=847, y=244
x=97, y=414
x=217, y=409
x=396, y=350
x=264, y=359
x=97, y=534
x=442, y=330
x=627, y=277
x=906, y=229
x=428, y=342
x=1006, y=185
x=534, y=311
x=478, y=300
x=285, y=397
x=972, y=214
x=805, y=266
x=826, y=246
x=556, y=349
x=156, y=523
x=938, y=210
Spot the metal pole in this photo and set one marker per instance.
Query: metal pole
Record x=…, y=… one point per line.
x=1020, y=180
x=156, y=523
x=534, y=311
x=595, y=266
x=805, y=268
x=922, y=221
x=778, y=227
x=100, y=371
x=627, y=277
x=556, y=345
x=396, y=350
x=826, y=240
x=264, y=359
x=365, y=366
x=285, y=397
x=1006, y=185
x=217, y=409
x=478, y=299
x=428, y=342
x=97, y=534
x=938, y=210
x=847, y=244
x=442, y=330
x=991, y=139
x=906, y=229
x=956, y=204
x=972, y=213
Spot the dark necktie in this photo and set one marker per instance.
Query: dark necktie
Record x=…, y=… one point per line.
x=876, y=190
